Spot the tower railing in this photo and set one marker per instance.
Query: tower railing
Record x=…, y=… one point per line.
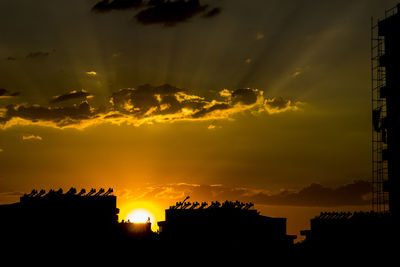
x=379, y=145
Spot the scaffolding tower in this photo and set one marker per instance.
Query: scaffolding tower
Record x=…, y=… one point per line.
x=378, y=81
x=380, y=173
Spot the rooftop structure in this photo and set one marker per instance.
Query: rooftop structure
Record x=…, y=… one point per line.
x=222, y=225
x=58, y=215
x=349, y=231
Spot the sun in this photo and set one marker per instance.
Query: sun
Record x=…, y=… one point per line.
x=140, y=211
x=140, y=216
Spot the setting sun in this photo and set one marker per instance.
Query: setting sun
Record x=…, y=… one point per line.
x=140, y=211
x=140, y=216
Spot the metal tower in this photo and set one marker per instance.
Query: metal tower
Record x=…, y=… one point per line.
x=385, y=75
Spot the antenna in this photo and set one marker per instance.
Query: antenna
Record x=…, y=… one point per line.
x=101, y=191
x=71, y=191
x=91, y=192
x=109, y=191
x=41, y=193
x=83, y=191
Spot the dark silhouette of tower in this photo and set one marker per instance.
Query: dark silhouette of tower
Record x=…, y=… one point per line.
x=388, y=87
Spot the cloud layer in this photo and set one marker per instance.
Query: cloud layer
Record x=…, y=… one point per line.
x=356, y=193
x=145, y=104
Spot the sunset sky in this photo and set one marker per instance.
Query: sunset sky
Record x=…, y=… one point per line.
x=264, y=100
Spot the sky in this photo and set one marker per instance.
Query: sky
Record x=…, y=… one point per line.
x=266, y=101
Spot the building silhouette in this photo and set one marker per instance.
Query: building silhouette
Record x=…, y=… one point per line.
x=55, y=216
x=351, y=231
x=87, y=222
x=227, y=225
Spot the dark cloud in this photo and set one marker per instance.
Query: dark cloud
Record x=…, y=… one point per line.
x=5, y=93
x=169, y=13
x=315, y=195
x=60, y=116
x=279, y=102
x=144, y=98
x=207, y=110
x=71, y=95
x=10, y=58
x=213, y=12
x=30, y=55
x=155, y=2
x=165, y=12
x=244, y=96
x=107, y=5
x=37, y=55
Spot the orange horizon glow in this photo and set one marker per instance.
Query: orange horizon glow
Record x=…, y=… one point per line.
x=139, y=212
x=140, y=216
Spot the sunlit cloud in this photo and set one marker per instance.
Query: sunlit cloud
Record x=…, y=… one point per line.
x=225, y=93
x=145, y=104
x=91, y=73
x=81, y=94
x=280, y=105
x=1, y=150
x=31, y=137
x=181, y=97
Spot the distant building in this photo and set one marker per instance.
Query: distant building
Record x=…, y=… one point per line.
x=349, y=231
x=227, y=225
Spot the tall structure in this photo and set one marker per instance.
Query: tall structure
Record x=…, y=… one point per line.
x=385, y=70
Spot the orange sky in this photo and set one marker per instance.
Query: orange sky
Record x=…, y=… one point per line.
x=262, y=101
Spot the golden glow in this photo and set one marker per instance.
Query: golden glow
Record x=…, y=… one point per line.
x=140, y=216
x=91, y=73
x=140, y=211
x=31, y=137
